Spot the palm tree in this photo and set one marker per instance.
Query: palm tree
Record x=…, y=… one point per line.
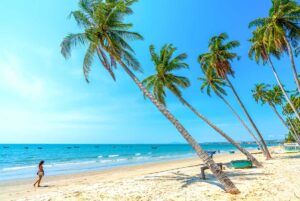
x=294, y=124
x=212, y=82
x=219, y=58
x=164, y=78
x=261, y=93
x=288, y=112
x=282, y=28
x=272, y=97
x=295, y=99
x=106, y=34
x=259, y=51
x=275, y=97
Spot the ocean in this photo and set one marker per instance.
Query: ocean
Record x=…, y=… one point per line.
x=18, y=161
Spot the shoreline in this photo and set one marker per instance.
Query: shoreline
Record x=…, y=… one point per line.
x=120, y=166
x=67, y=186
x=100, y=171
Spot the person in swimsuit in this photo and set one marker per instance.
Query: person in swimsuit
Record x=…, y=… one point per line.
x=40, y=174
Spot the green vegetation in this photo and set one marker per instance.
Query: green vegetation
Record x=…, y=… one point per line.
x=164, y=78
x=106, y=35
x=219, y=59
x=274, y=97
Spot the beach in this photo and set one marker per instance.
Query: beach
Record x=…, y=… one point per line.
x=171, y=180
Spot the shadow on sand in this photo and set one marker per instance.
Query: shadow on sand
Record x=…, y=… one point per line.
x=187, y=180
x=289, y=156
x=46, y=186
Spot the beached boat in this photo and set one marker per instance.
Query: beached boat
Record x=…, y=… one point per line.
x=291, y=147
x=240, y=164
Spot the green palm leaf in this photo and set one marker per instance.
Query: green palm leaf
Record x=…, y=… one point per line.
x=165, y=63
x=104, y=33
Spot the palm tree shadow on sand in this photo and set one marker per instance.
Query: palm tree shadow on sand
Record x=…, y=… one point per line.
x=187, y=180
x=289, y=157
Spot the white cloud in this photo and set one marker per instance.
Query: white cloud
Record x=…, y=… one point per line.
x=16, y=81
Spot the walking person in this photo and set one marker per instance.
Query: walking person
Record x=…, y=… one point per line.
x=40, y=174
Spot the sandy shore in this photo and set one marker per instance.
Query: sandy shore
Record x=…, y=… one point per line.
x=173, y=180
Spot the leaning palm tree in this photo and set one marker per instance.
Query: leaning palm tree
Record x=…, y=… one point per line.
x=219, y=58
x=165, y=63
x=260, y=52
x=273, y=97
x=295, y=99
x=282, y=28
x=262, y=94
x=106, y=34
x=211, y=82
x=288, y=112
x=276, y=97
x=294, y=131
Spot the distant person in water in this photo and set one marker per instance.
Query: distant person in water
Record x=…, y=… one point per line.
x=40, y=174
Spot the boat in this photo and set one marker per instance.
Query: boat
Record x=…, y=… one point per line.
x=291, y=147
x=241, y=164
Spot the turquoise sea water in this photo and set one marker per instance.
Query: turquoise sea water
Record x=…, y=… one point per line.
x=20, y=160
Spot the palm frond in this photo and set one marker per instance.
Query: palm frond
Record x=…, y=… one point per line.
x=72, y=40
x=154, y=56
x=259, y=22
x=131, y=61
x=81, y=19
x=88, y=60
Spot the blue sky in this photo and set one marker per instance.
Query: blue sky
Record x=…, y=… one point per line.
x=44, y=98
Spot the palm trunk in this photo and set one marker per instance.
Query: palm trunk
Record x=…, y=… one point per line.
x=240, y=120
x=229, y=139
x=292, y=62
x=221, y=177
x=294, y=127
x=267, y=153
x=282, y=89
x=294, y=131
x=278, y=115
x=294, y=134
x=290, y=128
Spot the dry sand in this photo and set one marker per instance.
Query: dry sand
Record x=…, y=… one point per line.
x=279, y=179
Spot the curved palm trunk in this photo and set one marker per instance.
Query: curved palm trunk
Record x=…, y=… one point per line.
x=266, y=150
x=229, y=139
x=241, y=121
x=294, y=131
x=278, y=115
x=223, y=179
x=282, y=89
x=293, y=127
x=290, y=128
x=293, y=63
